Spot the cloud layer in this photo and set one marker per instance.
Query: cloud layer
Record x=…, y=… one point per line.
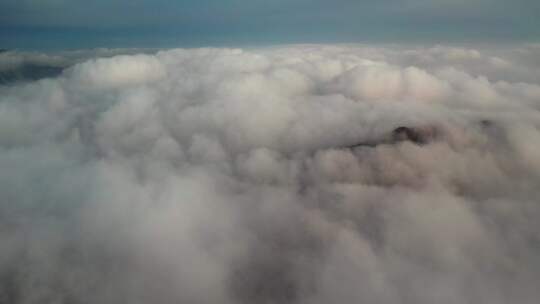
x=223, y=176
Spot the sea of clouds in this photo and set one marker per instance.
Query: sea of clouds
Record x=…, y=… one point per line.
x=223, y=176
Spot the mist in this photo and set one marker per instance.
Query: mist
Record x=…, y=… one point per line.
x=266, y=175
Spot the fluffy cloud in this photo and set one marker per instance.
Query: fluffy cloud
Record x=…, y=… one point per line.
x=269, y=175
x=18, y=66
x=118, y=71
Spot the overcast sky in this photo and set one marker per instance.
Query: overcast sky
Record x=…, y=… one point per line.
x=145, y=23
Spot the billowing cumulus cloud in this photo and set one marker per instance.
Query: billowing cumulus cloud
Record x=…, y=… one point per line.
x=299, y=174
x=17, y=66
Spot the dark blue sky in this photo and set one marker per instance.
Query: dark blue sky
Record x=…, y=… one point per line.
x=59, y=24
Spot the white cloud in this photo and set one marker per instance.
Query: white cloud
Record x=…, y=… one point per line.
x=223, y=176
x=118, y=71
